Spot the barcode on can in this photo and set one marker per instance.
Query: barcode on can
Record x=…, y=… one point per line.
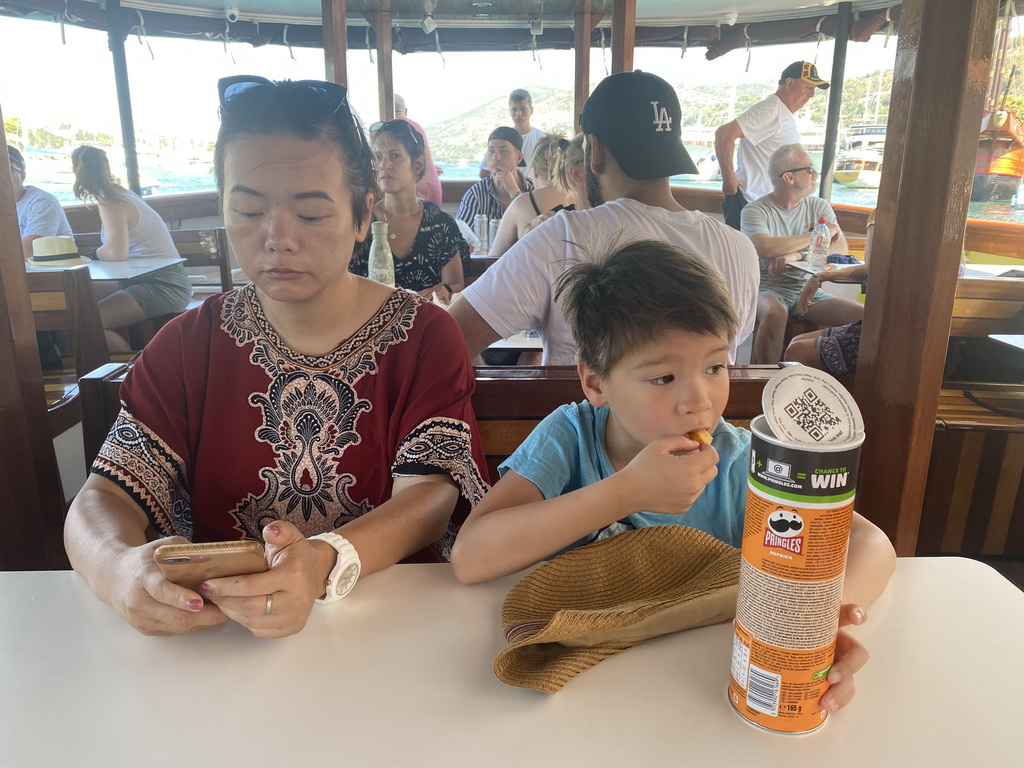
x=763, y=691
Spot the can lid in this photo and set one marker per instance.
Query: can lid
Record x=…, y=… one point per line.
x=805, y=405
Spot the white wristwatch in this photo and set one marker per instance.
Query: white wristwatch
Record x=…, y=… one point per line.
x=346, y=569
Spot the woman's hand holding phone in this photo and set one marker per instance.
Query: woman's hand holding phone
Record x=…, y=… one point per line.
x=145, y=599
x=276, y=603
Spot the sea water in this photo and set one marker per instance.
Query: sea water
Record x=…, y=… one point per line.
x=163, y=181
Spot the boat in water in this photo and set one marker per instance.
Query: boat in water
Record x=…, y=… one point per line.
x=860, y=164
x=999, y=167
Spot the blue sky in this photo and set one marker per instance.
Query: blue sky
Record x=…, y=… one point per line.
x=174, y=89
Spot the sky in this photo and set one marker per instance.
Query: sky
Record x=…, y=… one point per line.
x=173, y=81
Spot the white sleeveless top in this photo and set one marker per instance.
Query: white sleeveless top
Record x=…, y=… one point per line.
x=150, y=237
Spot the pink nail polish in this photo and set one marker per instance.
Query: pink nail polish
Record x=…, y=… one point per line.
x=195, y=605
x=204, y=587
x=276, y=530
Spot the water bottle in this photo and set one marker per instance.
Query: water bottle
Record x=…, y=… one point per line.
x=381, y=265
x=821, y=237
x=480, y=230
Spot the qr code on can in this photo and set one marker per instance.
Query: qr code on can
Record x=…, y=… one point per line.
x=812, y=415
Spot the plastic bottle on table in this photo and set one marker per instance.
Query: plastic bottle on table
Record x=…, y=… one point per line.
x=381, y=265
x=821, y=237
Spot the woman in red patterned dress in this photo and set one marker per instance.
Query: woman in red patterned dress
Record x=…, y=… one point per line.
x=319, y=412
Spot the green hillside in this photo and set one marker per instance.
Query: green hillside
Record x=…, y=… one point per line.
x=464, y=138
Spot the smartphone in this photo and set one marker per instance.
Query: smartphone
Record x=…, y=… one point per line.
x=191, y=564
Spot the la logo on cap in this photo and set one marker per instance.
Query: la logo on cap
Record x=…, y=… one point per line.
x=662, y=122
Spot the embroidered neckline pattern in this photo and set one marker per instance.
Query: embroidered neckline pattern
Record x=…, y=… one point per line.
x=243, y=319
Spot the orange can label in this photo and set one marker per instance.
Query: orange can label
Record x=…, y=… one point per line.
x=795, y=538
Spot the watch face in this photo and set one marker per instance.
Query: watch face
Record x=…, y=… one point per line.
x=346, y=579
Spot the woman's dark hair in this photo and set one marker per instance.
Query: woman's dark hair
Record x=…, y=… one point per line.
x=342, y=130
x=629, y=298
x=93, y=180
x=403, y=132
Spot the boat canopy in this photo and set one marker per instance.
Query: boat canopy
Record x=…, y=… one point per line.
x=463, y=25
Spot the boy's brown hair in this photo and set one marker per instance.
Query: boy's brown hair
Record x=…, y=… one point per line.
x=636, y=293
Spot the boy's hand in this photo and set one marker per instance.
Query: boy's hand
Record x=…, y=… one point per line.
x=669, y=474
x=851, y=655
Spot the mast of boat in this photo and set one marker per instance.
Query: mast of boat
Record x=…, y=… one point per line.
x=1006, y=88
x=999, y=60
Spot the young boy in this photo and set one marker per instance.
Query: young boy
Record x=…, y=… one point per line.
x=652, y=325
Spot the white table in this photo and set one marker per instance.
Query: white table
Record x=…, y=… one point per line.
x=523, y=341
x=399, y=674
x=844, y=289
x=122, y=270
x=805, y=266
x=1013, y=341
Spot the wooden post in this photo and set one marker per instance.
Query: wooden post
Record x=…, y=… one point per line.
x=939, y=84
x=585, y=22
x=335, y=32
x=31, y=498
x=381, y=22
x=623, y=35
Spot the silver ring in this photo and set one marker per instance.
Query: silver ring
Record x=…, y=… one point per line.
x=270, y=604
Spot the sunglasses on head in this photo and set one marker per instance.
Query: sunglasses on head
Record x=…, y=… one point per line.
x=311, y=100
x=808, y=168
x=395, y=126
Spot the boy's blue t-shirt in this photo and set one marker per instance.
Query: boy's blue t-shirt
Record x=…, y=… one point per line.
x=566, y=452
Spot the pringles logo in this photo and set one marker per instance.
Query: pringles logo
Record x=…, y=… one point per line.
x=785, y=531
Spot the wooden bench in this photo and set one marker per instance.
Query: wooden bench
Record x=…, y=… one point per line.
x=477, y=266
x=62, y=300
x=974, y=496
x=508, y=401
x=203, y=250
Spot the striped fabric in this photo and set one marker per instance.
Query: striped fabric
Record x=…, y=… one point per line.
x=480, y=198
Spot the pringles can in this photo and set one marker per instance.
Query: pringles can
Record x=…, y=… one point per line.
x=804, y=454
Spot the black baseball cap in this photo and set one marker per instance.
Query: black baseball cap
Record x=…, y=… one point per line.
x=637, y=115
x=804, y=70
x=17, y=161
x=504, y=133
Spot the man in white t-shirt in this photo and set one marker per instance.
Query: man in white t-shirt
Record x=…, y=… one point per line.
x=520, y=109
x=779, y=225
x=632, y=147
x=761, y=130
x=40, y=214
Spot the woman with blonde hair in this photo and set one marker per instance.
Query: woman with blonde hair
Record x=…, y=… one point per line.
x=550, y=191
x=130, y=230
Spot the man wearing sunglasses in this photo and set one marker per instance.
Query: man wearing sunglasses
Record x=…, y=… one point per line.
x=779, y=224
x=761, y=130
